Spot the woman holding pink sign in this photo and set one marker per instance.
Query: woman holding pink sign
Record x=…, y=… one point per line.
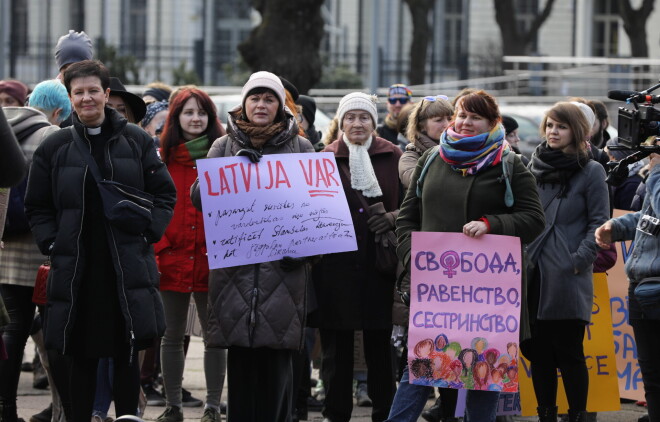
x=465, y=189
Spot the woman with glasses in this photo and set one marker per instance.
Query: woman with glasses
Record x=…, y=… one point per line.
x=464, y=191
x=427, y=121
x=352, y=293
x=397, y=96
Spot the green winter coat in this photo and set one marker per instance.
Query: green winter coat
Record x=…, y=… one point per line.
x=449, y=200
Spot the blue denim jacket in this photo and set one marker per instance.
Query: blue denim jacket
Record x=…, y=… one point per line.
x=644, y=260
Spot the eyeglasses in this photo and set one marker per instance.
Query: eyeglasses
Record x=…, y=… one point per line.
x=434, y=98
x=401, y=100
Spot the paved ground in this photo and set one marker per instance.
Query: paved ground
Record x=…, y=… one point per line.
x=31, y=401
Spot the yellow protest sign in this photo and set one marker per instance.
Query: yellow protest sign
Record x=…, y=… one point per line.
x=601, y=362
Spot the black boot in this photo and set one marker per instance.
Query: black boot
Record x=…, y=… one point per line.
x=8, y=412
x=547, y=414
x=577, y=415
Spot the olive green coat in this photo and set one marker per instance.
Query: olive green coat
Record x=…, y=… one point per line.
x=450, y=200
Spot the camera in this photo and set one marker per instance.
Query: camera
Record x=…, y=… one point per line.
x=649, y=225
x=635, y=127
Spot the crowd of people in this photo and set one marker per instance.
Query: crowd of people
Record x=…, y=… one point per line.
x=113, y=324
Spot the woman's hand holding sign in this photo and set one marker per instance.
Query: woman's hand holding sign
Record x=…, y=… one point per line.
x=475, y=229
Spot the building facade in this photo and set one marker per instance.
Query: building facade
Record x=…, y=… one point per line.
x=158, y=37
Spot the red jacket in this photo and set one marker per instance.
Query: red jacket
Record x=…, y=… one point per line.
x=181, y=252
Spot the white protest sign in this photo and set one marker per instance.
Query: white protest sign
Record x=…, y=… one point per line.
x=285, y=205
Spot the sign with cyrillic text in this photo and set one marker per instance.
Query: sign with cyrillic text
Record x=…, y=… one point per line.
x=285, y=205
x=464, y=311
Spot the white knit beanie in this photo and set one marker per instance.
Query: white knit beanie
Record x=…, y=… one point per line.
x=264, y=79
x=588, y=113
x=357, y=101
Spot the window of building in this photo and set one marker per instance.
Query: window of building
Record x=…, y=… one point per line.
x=606, y=28
x=526, y=13
x=237, y=9
x=453, y=25
x=134, y=31
x=19, y=27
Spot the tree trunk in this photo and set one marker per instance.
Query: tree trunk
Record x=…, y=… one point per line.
x=515, y=43
x=420, y=11
x=287, y=41
x=634, y=23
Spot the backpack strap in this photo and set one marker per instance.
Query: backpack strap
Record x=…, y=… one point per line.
x=422, y=175
x=507, y=174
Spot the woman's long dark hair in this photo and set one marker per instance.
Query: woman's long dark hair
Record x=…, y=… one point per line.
x=172, y=133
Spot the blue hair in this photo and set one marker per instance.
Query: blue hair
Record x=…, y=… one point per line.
x=49, y=96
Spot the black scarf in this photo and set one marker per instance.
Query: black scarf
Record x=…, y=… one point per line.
x=555, y=167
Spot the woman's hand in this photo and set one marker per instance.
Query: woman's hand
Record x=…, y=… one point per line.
x=604, y=235
x=475, y=229
x=252, y=154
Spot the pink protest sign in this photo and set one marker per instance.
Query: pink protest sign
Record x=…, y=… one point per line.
x=464, y=311
x=285, y=205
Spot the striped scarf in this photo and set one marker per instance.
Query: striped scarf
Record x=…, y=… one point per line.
x=472, y=154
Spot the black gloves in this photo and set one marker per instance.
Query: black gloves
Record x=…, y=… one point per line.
x=380, y=221
x=288, y=263
x=252, y=154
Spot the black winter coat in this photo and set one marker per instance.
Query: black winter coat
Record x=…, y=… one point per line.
x=55, y=205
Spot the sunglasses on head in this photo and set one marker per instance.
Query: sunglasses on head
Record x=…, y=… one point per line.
x=434, y=98
x=401, y=100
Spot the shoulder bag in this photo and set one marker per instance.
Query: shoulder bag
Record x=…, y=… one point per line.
x=126, y=207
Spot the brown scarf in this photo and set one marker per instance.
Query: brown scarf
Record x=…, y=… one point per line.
x=259, y=134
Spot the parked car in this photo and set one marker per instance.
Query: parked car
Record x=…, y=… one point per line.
x=224, y=103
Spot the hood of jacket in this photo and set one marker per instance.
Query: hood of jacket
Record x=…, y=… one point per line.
x=20, y=118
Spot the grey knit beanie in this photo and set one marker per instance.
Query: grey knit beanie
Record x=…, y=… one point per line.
x=264, y=79
x=73, y=47
x=357, y=101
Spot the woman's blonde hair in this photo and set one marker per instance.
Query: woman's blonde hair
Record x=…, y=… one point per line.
x=333, y=131
x=571, y=115
x=423, y=111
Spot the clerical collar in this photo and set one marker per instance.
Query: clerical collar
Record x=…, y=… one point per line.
x=93, y=130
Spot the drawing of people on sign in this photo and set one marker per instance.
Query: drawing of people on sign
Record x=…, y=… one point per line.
x=482, y=338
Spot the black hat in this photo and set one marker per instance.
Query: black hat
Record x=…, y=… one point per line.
x=291, y=88
x=308, y=108
x=136, y=104
x=510, y=124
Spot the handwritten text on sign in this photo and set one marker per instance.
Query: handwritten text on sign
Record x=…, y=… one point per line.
x=464, y=311
x=285, y=205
